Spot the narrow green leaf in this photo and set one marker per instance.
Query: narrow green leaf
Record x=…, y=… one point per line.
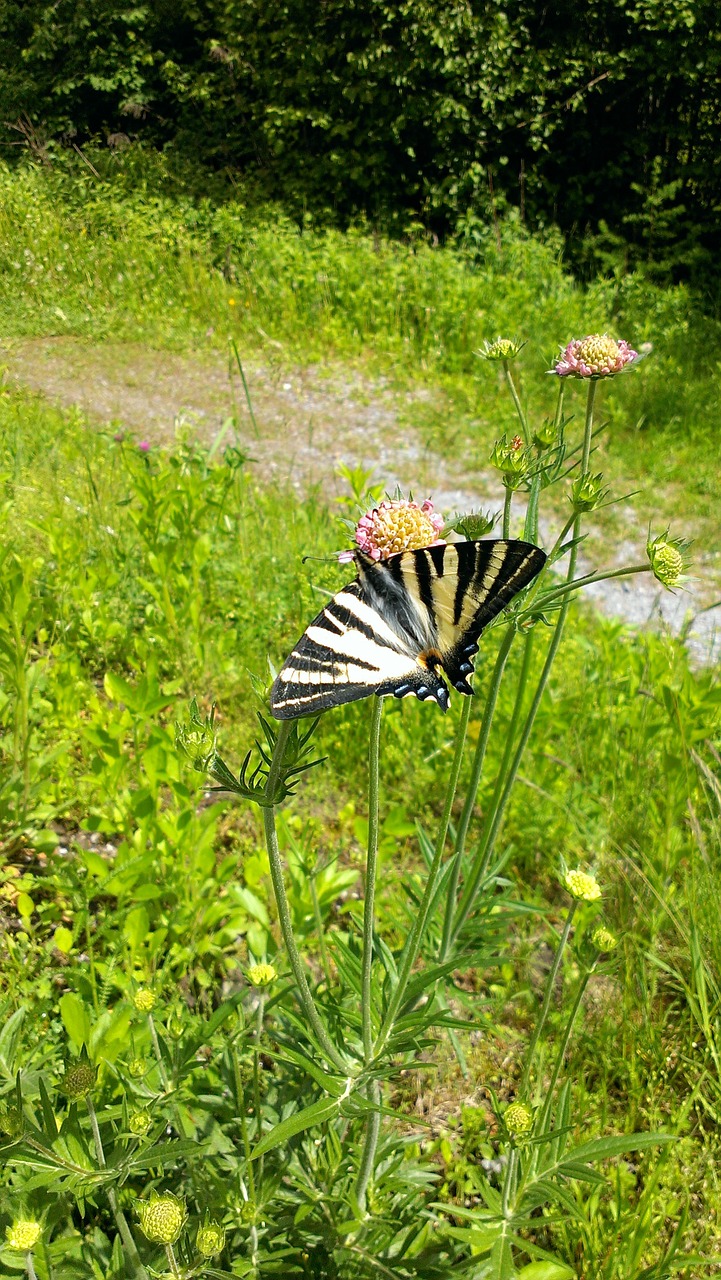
x=315, y=1114
x=546, y=1271
x=75, y=1018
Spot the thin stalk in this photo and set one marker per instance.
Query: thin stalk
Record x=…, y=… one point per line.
x=246, y=388
x=412, y=947
x=303, y=991
x=368, y=1157
x=530, y=528
x=507, y=512
x=516, y=400
x=172, y=1261
x=602, y=575
x=370, y=878
x=548, y=996
x=564, y=1044
x=319, y=928
x=476, y=771
x=240, y=1105
x=30, y=1266
x=158, y=1055
x=256, y=1076
x=121, y=1221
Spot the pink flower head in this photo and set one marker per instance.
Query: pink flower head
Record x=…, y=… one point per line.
x=397, y=526
x=596, y=356
x=144, y=446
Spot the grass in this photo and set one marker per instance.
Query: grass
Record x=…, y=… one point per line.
x=132, y=581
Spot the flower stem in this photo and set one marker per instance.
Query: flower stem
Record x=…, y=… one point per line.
x=158, y=1055
x=172, y=1261
x=365, y=1171
x=30, y=1266
x=476, y=771
x=548, y=996
x=507, y=512
x=256, y=1076
x=303, y=991
x=240, y=1105
x=368, y=1157
x=121, y=1221
x=516, y=400
x=602, y=575
x=564, y=1044
x=319, y=926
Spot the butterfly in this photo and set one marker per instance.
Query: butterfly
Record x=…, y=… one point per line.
x=402, y=625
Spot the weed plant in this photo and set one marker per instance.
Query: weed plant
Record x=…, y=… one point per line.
x=167, y=1103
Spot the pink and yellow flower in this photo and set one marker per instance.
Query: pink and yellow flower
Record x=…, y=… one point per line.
x=596, y=356
x=395, y=526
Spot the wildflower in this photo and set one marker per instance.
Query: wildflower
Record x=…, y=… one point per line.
x=518, y=1119
x=79, y=1080
x=604, y=939
x=587, y=492
x=231, y=302
x=162, y=1217
x=500, y=349
x=666, y=557
x=23, y=1235
x=144, y=446
x=210, y=1239
x=474, y=525
x=396, y=526
x=596, y=356
x=144, y=1000
x=139, y=1123
x=12, y=1122
x=582, y=886
x=261, y=975
x=512, y=460
x=119, y=437
x=137, y=1068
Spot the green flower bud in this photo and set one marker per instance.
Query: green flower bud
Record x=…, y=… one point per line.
x=500, y=349
x=604, y=939
x=79, y=1080
x=512, y=460
x=137, y=1068
x=144, y=1000
x=261, y=975
x=23, y=1235
x=12, y=1122
x=667, y=559
x=546, y=435
x=581, y=886
x=587, y=492
x=162, y=1217
x=474, y=525
x=518, y=1119
x=139, y=1123
x=210, y=1239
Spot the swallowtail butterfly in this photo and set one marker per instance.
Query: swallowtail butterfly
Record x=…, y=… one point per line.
x=402, y=623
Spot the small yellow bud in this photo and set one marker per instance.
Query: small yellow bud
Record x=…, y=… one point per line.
x=500, y=349
x=666, y=557
x=139, y=1123
x=261, y=975
x=518, y=1119
x=12, y=1122
x=23, y=1235
x=581, y=886
x=604, y=939
x=162, y=1217
x=144, y=1000
x=79, y=1080
x=210, y=1239
x=137, y=1068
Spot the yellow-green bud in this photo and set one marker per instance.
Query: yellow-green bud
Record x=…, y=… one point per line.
x=12, y=1122
x=139, y=1123
x=546, y=435
x=587, y=492
x=23, y=1235
x=581, y=886
x=79, y=1080
x=137, y=1068
x=512, y=460
x=162, y=1217
x=500, y=349
x=474, y=525
x=666, y=557
x=518, y=1119
x=144, y=1000
x=210, y=1239
x=604, y=939
x=261, y=975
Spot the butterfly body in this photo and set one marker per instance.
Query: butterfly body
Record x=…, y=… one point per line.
x=402, y=625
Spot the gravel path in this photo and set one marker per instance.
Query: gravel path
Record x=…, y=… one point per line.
x=307, y=422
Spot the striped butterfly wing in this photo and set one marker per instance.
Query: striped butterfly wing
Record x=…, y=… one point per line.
x=401, y=623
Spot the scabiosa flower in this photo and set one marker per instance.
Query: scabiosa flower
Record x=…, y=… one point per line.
x=603, y=938
x=581, y=886
x=666, y=557
x=210, y=1239
x=79, y=1080
x=473, y=525
x=398, y=525
x=513, y=460
x=518, y=1119
x=261, y=975
x=137, y=1068
x=588, y=492
x=23, y=1235
x=162, y=1217
x=144, y=446
x=12, y=1122
x=144, y=1000
x=500, y=349
x=596, y=356
x=139, y=1123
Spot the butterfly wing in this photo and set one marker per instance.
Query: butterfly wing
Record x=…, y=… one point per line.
x=401, y=622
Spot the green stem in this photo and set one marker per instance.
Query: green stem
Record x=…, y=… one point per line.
x=548, y=996
x=476, y=771
x=368, y=1157
x=172, y=1261
x=516, y=401
x=530, y=528
x=30, y=1266
x=319, y=928
x=507, y=512
x=564, y=1045
x=240, y=1105
x=121, y=1221
x=256, y=1077
x=602, y=575
x=370, y=878
x=158, y=1055
x=303, y=991
x=412, y=947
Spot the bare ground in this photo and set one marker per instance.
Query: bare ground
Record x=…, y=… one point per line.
x=306, y=422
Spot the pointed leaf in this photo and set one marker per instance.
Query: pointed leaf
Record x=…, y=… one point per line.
x=305, y=1119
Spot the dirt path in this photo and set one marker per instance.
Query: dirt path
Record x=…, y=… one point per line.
x=307, y=422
